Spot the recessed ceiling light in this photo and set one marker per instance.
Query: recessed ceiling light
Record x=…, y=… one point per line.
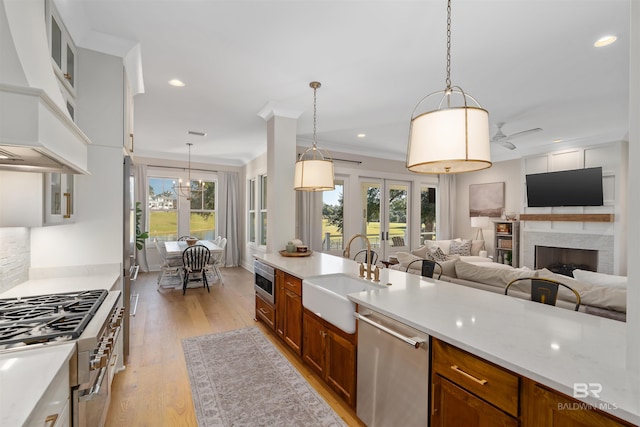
x=361, y=135
x=605, y=41
x=176, y=83
x=557, y=140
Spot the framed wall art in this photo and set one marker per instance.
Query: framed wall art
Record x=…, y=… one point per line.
x=486, y=199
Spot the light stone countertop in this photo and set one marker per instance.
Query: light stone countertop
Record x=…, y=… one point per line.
x=24, y=378
x=26, y=373
x=555, y=347
x=63, y=284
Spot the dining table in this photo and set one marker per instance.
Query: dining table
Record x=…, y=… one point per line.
x=175, y=248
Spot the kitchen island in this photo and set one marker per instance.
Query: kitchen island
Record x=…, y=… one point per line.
x=554, y=347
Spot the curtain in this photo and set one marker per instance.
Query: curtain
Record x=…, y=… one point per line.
x=141, y=196
x=447, y=206
x=309, y=218
x=228, y=216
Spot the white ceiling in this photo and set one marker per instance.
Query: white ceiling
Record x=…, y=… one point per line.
x=530, y=63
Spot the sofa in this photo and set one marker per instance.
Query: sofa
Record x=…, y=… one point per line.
x=601, y=294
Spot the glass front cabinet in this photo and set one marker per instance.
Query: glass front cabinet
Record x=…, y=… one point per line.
x=59, y=198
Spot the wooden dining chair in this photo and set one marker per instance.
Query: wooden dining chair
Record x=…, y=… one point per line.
x=195, y=261
x=428, y=267
x=361, y=256
x=542, y=290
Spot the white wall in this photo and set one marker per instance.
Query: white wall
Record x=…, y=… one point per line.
x=96, y=235
x=508, y=172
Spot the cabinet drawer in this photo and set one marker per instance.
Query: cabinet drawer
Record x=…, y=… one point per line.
x=293, y=284
x=266, y=312
x=484, y=379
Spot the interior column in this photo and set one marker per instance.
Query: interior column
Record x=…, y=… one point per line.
x=281, y=159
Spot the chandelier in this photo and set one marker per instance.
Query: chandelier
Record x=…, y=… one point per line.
x=190, y=189
x=454, y=137
x=314, y=170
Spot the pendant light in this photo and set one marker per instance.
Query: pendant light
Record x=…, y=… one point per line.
x=188, y=190
x=454, y=137
x=314, y=170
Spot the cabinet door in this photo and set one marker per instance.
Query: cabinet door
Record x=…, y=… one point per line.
x=293, y=321
x=265, y=311
x=313, y=350
x=341, y=365
x=63, y=51
x=59, y=198
x=454, y=406
x=543, y=407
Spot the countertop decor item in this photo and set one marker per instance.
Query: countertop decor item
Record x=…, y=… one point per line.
x=314, y=169
x=295, y=254
x=452, y=138
x=191, y=241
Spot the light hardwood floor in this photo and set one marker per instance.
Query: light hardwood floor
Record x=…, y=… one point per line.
x=154, y=388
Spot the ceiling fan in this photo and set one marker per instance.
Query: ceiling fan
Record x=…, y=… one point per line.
x=501, y=139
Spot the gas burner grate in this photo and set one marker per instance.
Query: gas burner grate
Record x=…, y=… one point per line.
x=43, y=318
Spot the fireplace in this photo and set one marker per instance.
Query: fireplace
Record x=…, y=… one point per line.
x=565, y=260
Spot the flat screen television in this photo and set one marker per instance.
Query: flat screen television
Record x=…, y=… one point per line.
x=578, y=187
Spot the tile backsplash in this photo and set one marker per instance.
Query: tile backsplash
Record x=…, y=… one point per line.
x=15, y=256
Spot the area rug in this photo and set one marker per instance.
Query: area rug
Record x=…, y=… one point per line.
x=238, y=378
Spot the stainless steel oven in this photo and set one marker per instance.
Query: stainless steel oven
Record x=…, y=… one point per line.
x=264, y=283
x=92, y=320
x=96, y=360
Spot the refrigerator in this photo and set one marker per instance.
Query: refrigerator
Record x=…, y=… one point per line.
x=129, y=268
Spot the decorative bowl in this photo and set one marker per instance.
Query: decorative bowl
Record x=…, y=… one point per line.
x=191, y=242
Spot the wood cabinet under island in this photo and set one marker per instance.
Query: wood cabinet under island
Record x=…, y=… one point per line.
x=545, y=352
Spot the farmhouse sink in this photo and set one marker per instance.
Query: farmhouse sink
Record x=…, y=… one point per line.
x=326, y=296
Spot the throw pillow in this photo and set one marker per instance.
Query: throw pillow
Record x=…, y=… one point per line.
x=600, y=279
x=460, y=247
x=421, y=251
x=405, y=259
x=442, y=244
x=476, y=247
x=438, y=255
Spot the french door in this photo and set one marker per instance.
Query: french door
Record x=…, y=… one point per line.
x=385, y=215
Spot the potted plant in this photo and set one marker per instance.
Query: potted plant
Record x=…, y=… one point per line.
x=141, y=236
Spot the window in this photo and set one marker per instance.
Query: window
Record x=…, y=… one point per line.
x=263, y=210
x=427, y=213
x=163, y=212
x=333, y=218
x=202, y=223
x=251, y=203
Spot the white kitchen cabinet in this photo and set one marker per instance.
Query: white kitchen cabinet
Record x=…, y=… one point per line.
x=53, y=408
x=62, y=49
x=35, y=199
x=127, y=138
x=59, y=203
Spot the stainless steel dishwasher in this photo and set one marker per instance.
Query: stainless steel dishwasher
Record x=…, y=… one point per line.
x=393, y=372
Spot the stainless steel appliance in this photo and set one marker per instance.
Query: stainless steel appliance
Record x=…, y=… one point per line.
x=393, y=372
x=90, y=318
x=264, y=280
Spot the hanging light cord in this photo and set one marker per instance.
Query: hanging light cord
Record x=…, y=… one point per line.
x=315, y=86
x=448, y=79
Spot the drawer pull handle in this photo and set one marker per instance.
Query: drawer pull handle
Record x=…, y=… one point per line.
x=264, y=311
x=51, y=419
x=471, y=377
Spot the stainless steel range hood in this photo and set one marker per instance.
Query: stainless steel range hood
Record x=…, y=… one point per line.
x=36, y=132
